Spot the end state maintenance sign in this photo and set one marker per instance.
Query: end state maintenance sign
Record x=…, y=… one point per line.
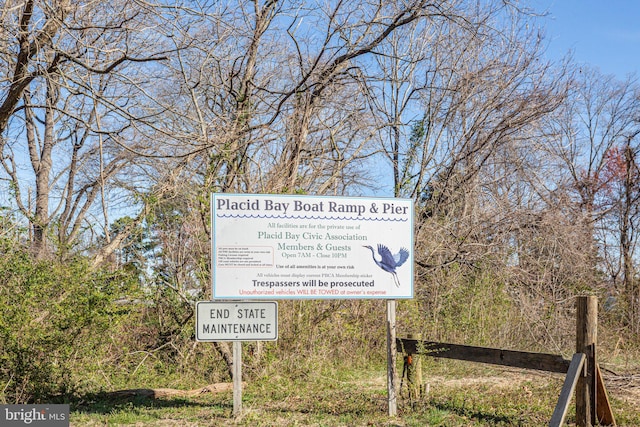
x=236, y=321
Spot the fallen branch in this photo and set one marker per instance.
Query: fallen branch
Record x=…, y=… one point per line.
x=161, y=393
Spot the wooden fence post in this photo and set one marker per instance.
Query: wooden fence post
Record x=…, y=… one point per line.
x=586, y=339
x=414, y=371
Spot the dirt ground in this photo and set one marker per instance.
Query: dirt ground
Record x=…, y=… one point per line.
x=623, y=386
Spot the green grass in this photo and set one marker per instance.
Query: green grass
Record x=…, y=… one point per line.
x=460, y=394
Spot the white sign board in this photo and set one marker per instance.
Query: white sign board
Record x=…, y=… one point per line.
x=236, y=321
x=297, y=247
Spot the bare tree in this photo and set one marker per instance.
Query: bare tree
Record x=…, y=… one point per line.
x=468, y=85
x=592, y=140
x=69, y=84
x=298, y=117
x=276, y=96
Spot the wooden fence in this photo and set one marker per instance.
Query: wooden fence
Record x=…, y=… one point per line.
x=582, y=372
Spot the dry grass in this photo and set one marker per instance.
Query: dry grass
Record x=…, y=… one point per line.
x=459, y=394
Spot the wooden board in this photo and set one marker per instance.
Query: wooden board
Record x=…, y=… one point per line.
x=569, y=386
x=495, y=356
x=603, y=406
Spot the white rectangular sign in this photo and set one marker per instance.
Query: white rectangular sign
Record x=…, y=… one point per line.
x=293, y=247
x=236, y=321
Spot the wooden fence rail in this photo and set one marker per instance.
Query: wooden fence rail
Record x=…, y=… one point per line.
x=494, y=356
x=583, y=373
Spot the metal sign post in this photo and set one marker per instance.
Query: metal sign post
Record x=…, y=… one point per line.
x=237, y=378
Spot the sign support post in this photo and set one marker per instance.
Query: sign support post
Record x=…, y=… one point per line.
x=392, y=374
x=237, y=378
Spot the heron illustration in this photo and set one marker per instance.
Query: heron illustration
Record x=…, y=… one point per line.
x=388, y=261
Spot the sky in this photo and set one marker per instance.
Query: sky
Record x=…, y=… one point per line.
x=601, y=33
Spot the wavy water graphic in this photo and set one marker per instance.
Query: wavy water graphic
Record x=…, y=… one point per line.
x=331, y=218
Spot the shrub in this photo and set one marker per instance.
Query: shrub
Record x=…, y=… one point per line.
x=52, y=317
